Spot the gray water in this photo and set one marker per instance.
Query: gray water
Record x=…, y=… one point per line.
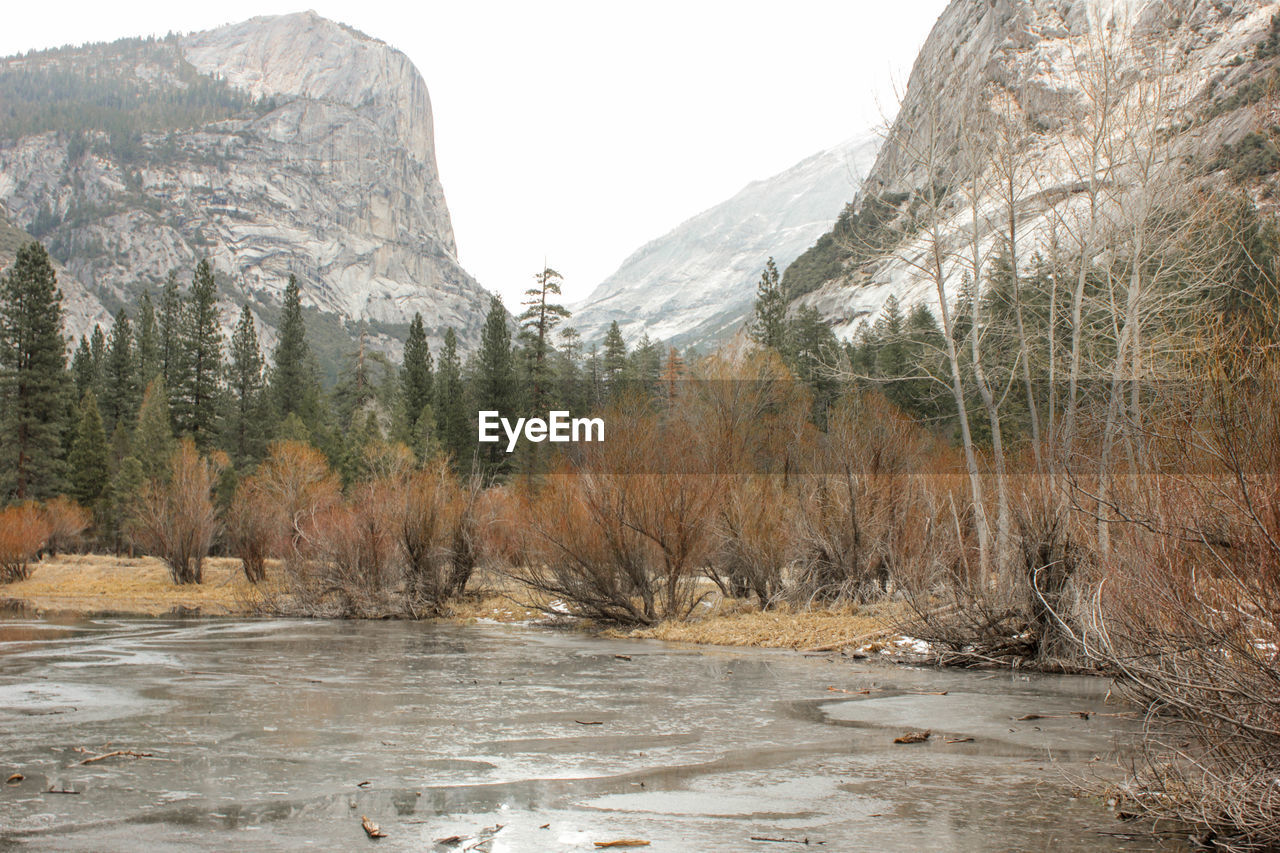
x=280, y=735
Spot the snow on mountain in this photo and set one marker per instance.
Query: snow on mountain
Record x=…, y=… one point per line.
x=696, y=284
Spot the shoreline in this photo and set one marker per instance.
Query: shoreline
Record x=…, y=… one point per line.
x=70, y=587
x=100, y=586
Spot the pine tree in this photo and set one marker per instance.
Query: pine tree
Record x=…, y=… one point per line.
x=83, y=373
x=98, y=361
x=368, y=380
x=538, y=320
x=153, y=441
x=452, y=423
x=424, y=441
x=90, y=459
x=769, y=327
x=495, y=366
x=570, y=390
x=170, y=328
x=646, y=363
x=362, y=432
x=33, y=380
x=812, y=350
x=120, y=443
x=614, y=364
x=120, y=389
x=891, y=360
x=416, y=376
x=294, y=387
x=495, y=377
x=125, y=491
x=293, y=429
x=245, y=433
x=921, y=395
x=593, y=377
x=200, y=373
x=147, y=354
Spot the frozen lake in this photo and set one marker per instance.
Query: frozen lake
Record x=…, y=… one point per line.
x=280, y=735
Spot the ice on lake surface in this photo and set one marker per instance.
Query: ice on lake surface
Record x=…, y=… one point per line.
x=280, y=735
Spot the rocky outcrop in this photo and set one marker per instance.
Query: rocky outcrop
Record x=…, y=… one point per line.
x=1032, y=60
x=329, y=174
x=82, y=309
x=696, y=284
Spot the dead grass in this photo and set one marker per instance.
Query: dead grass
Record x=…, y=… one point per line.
x=98, y=583
x=827, y=629
x=496, y=598
x=89, y=584
x=492, y=606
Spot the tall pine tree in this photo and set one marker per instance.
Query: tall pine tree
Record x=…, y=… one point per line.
x=146, y=345
x=769, y=327
x=294, y=388
x=811, y=352
x=452, y=423
x=540, y=317
x=89, y=459
x=570, y=388
x=33, y=380
x=646, y=363
x=614, y=361
x=200, y=362
x=170, y=329
x=245, y=430
x=84, y=373
x=416, y=376
x=495, y=377
x=120, y=381
x=153, y=442
x=98, y=360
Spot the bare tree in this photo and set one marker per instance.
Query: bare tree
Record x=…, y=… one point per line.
x=175, y=518
x=921, y=146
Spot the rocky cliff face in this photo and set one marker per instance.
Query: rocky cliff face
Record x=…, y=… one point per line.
x=313, y=155
x=1037, y=66
x=696, y=284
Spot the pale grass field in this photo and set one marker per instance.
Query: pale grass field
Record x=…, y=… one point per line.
x=95, y=584
x=731, y=623
x=90, y=584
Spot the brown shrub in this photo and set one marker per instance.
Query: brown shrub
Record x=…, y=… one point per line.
x=274, y=513
x=67, y=523
x=614, y=539
x=436, y=527
x=404, y=542
x=351, y=552
x=755, y=536
x=1187, y=611
x=872, y=513
x=24, y=530
x=254, y=529
x=295, y=483
x=175, y=518
x=503, y=537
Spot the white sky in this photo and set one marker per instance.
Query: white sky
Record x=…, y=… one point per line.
x=577, y=131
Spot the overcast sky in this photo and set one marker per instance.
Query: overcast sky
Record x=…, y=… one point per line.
x=578, y=131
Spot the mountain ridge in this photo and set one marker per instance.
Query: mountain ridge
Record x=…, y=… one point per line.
x=695, y=284
x=1030, y=58
x=330, y=175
